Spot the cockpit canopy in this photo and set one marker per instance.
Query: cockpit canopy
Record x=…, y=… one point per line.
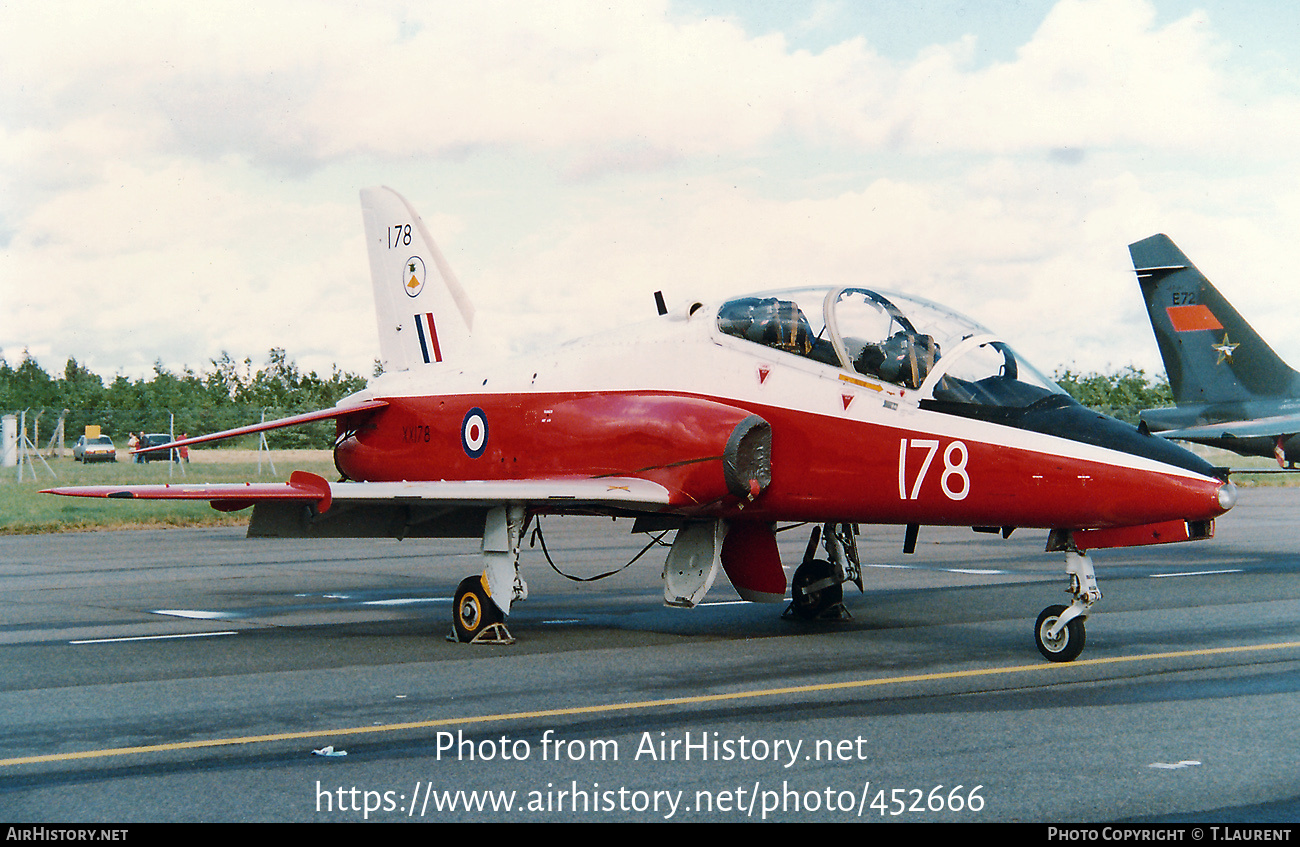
x=894, y=338
x=770, y=321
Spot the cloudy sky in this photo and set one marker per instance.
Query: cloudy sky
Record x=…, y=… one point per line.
x=179, y=180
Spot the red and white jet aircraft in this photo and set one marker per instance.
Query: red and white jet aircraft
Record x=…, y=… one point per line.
x=835, y=406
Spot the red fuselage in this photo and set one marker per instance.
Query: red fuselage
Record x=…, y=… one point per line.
x=824, y=468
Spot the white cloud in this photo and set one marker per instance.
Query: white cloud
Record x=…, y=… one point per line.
x=308, y=83
x=204, y=160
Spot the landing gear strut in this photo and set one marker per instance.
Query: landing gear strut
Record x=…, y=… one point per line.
x=1059, y=631
x=817, y=589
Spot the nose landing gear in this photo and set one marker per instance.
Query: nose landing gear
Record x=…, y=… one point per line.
x=1059, y=631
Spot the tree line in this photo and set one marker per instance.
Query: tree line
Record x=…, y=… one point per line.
x=1121, y=394
x=229, y=394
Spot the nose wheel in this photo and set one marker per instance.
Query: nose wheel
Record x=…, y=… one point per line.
x=1059, y=631
x=1067, y=642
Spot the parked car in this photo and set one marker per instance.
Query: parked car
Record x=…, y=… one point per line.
x=153, y=438
x=98, y=449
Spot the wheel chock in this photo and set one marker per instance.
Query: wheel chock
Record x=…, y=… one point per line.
x=833, y=612
x=493, y=634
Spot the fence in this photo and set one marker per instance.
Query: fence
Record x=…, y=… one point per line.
x=118, y=424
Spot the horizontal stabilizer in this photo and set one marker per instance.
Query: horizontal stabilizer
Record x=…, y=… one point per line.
x=266, y=426
x=224, y=496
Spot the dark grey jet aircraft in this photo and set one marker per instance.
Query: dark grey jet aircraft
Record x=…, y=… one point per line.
x=1232, y=391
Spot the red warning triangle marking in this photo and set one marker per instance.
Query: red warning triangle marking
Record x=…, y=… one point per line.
x=763, y=371
x=847, y=398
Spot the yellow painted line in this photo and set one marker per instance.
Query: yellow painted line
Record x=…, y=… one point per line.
x=640, y=704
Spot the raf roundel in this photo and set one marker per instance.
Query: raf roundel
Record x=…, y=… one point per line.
x=474, y=433
x=413, y=276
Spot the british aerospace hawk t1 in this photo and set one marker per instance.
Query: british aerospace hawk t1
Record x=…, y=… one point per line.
x=833, y=406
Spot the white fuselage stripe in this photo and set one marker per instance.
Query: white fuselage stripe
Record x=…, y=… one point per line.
x=726, y=370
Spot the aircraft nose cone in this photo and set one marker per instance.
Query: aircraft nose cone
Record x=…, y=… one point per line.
x=1227, y=496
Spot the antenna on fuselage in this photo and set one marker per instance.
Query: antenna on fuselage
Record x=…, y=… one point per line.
x=660, y=304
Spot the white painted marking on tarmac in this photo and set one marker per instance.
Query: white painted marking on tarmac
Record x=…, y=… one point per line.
x=406, y=601
x=196, y=614
x=151, y=637
x=1165, y=766
x=973, y=571
x=1196, y=573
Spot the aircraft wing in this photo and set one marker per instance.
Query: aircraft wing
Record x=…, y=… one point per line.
x=625, y=492
x=266, y=426
x=1283, y=426
x=630, y=493
x=1246, y=436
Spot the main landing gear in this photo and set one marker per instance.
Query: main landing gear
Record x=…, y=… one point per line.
x=817, y=588
x=1059, y=631
x=482, y=601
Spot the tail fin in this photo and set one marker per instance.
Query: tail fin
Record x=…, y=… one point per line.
x=1211, y=354
x=424, y=315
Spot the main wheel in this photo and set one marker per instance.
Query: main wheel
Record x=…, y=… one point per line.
x=814, y=589
x=473, y=609
x=1068, y=643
